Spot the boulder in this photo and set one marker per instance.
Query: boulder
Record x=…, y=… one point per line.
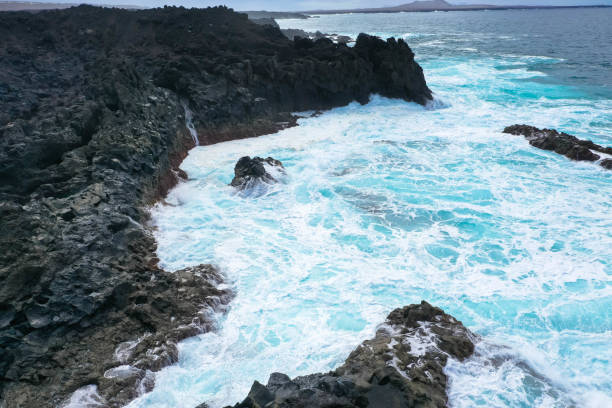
x=250, y=171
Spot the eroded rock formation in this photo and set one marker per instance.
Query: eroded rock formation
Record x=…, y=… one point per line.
x=562, y=143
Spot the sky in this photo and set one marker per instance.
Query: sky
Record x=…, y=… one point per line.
x=287, y=5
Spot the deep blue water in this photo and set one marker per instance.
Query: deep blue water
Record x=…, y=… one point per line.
x=390, y=203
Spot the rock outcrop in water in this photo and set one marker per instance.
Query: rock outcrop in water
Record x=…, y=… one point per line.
x=249, y=171
x=562, y=143
x=92, y=129
x=401, y=367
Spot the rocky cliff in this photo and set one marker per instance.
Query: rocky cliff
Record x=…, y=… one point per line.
x=92, y=129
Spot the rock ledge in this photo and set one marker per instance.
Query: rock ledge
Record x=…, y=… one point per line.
x=562, y=143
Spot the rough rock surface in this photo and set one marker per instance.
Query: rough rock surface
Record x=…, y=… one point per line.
x=401, y=367
x=562, y=143
x=606, y=164
x=92, y=130
x=250, y=171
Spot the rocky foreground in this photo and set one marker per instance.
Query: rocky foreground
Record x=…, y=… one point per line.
x=92, y=130
x=401, y=367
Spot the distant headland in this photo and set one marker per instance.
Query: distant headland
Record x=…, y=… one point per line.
x=37, y=6
x=436, y=5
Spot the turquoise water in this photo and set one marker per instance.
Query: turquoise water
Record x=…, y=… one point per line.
x=389, y=203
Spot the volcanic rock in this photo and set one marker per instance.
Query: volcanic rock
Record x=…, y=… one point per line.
x=401, y=367
x=561, y=143
x=92, y=130
x=606, y=164
x=249, y=171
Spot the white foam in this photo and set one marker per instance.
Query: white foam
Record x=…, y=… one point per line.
x=85, y=397
x=422, y=341
x=189, y=124
x=391, y=203
x=124, y=350
x=122, y=371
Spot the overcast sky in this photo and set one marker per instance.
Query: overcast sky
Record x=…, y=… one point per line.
x=287, y=5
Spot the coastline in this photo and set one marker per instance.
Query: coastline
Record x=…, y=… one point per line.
x=97, y=116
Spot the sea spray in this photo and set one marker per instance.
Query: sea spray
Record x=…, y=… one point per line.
x=189, y=124
x=85, y=397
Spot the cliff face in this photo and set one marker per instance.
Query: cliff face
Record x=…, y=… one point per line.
x=92, y=129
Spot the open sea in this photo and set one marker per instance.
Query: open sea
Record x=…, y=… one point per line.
x=386, y=204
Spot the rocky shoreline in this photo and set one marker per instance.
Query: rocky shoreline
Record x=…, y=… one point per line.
x=92, y=130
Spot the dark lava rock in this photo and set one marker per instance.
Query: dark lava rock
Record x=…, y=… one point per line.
x=401, y=367
x=92, y=130
x=561, y=143
x=295, y=33
x=395, y=73
x=249, y=171
x=606, y=164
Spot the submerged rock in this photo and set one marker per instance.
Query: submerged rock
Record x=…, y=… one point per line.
x=606, y=164
x=248, y=172
x=561, y=143
x=401, y=367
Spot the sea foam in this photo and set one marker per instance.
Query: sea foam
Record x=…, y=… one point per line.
x=389, y=203
x=385, y=205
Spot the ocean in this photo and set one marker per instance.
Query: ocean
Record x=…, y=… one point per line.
x=391, y=203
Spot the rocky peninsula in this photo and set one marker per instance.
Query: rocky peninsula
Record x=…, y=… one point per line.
x=93, y=125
